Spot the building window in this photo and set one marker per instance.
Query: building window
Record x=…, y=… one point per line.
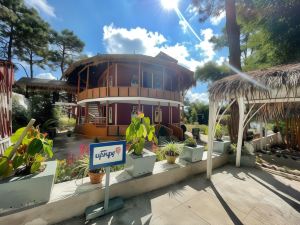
x=134, y=80
x=158, y=115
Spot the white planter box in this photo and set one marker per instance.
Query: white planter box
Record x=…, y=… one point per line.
x=140, y=165
x=246, y=160
x=221, y=146
x=19, y=192
x=192, y=154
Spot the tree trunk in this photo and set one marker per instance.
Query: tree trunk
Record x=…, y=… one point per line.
x=233, y=34
x=62, y=64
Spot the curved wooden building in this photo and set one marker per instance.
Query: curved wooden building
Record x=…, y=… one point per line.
x=113, y=88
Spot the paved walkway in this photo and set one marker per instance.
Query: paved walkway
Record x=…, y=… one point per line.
x=234, y=196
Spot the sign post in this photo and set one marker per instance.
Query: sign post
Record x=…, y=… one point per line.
x=106, y=154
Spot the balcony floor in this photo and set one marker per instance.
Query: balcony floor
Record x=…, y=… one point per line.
x=234, y=196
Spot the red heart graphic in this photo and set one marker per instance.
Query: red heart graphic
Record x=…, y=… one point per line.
x=118, y=150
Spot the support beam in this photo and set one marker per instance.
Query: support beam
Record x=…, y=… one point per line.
x=86, y=112
x=106, y=113
x=241, y=131
x=78, y=84
x=87, y=79
x=116, y=75
x=116, y=113
x=139, y=79
x=169, y=113
x=211, y=126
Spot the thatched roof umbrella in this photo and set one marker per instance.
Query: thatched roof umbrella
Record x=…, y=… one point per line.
x=272, y=93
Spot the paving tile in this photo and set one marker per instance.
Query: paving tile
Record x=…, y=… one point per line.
x=209, y=208
x=175, y=216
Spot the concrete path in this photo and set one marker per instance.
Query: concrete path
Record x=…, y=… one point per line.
x=234, y=196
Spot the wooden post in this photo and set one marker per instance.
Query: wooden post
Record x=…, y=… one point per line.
x=107, y=76
x=87, y=79
x=139, y=105
x=116, y=113
x=116, y=74
x=241, y=131
x=211, y=125
x=78, y=85
x=179, y=112
x=163, y=81
x=169, y=113
x=86, y=112
x=139, y=79
x=159, y=113
x=152, y=80
x=152, y=113
x=106, y=113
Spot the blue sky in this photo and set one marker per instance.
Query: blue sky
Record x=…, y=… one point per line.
x=140, y=26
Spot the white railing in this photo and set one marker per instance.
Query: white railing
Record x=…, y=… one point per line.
x=4, y=144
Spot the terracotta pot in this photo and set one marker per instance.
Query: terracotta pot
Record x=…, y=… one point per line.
x=171, y=159
x=154, y=147
x=96, y=178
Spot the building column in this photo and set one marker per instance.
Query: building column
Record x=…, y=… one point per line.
x=152, y=113
x=78, y=85
x=211, y=126
x=159, y=113
x=116, y=113
x=116, y=75
x=139, y=90
x=169, y=113
x=86, y=112
x=179, y=112
x=241, y=131
x=106, y=113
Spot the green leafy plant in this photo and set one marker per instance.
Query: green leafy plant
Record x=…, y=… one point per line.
x=82, y=167
x=171, y=149
x=137, y=132
x=219, y=132
x=28, y=158
x=190, y=142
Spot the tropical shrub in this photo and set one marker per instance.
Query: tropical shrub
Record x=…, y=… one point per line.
x=138, y=131
x=190, y=142
x=171, y=149
x=219, y=132
x=28, y=158
x=82, y=167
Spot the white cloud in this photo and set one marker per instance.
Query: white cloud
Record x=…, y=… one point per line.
x=206, y=46
x=194, y=96
x=217, y=19
x=41, y=6
x=192, y=12
x=46, y=76
x=220, y=60
x=183, y=26
x=141, y=41
x=89, y=54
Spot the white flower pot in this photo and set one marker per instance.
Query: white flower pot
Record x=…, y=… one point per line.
x=221, y=146
x=192, y=154
x=140, y=165
x=23, y=191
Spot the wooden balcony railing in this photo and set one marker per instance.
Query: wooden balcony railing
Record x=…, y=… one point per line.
x=102, y=92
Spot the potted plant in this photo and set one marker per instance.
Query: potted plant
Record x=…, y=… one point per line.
x=191, y=152
x=82, y=169
x=24, y=170
x=140, y=161
x=171, y=151
x=220, y=145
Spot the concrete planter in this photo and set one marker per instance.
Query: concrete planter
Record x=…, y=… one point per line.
x=246, y=160
x=140, y=165
x=19, y=192
x=192, y=154
x=221, y=146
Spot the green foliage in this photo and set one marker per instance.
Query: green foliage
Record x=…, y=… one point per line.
x=82, y=167
x=34, y=149
x=137, y=132
x=68, y=45
x=64, y=171
x=190, y=142
x=160, y=156
x=41, y=107
x=194, y=109
x=171, y=149
x=219, y=132
x=210, y=72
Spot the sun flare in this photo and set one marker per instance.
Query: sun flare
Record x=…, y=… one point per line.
x=169, y=4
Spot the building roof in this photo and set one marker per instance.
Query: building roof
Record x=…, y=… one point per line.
x=260, y=81
x=45, y=84
x=161, y=59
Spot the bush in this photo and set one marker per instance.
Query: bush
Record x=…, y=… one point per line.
x=171, y=149
x=190, y=142
x=219, y=132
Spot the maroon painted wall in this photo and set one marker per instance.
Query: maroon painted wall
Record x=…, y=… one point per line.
x=148, y=111
x=165, y=114
x=124, y=113
x=175, y=115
